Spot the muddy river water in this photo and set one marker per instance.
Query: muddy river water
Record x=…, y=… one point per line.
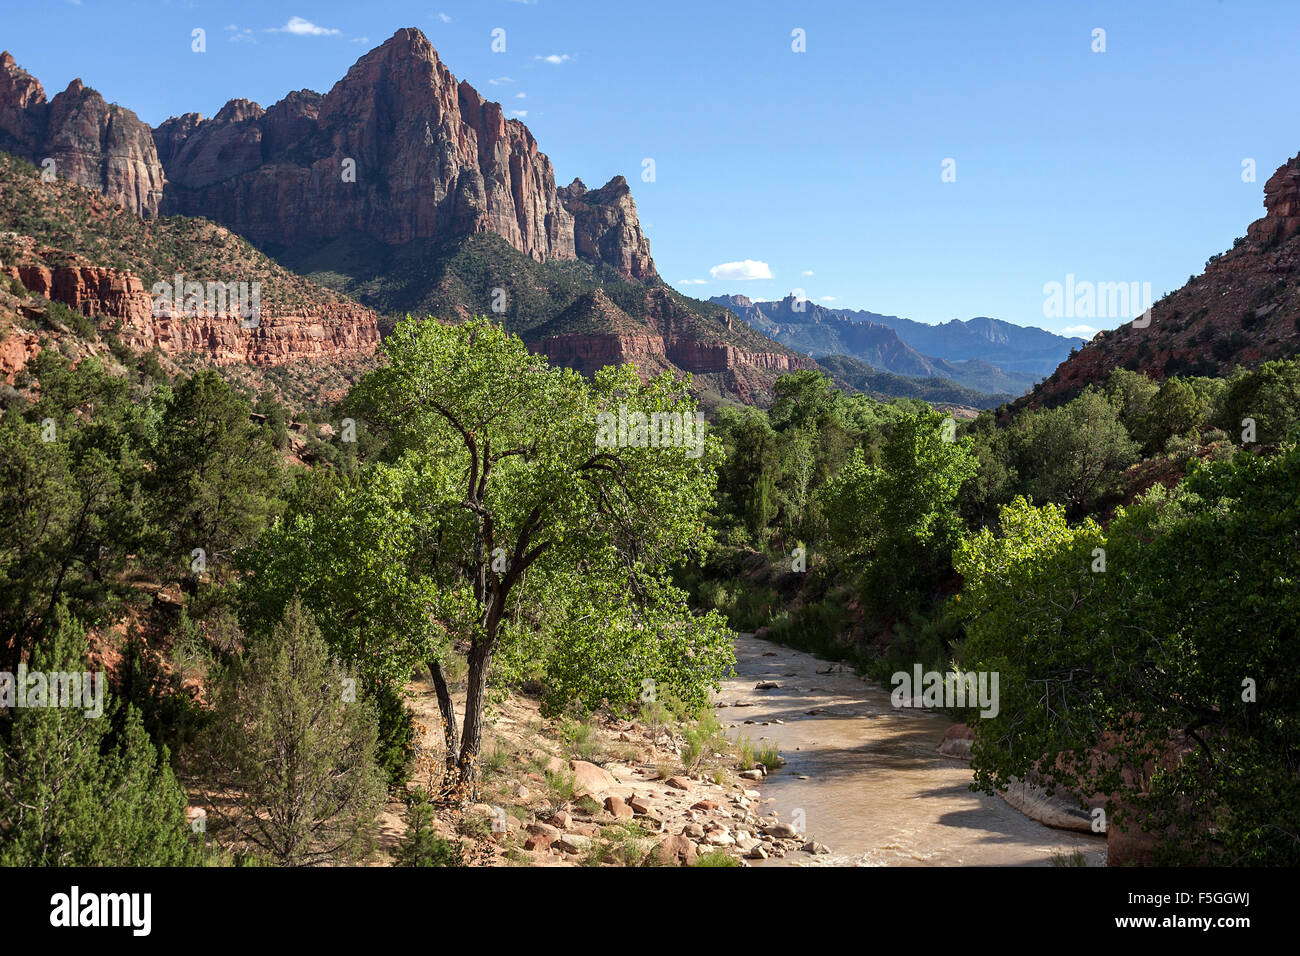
x=868, y=778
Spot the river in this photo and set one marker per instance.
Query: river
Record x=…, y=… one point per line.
x=868, y=778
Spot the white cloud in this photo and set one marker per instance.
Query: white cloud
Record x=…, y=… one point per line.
x=304, y=28
x=555, y=59
x=521, y=96
x=520, y=113
x=745, y=269
x=827, y=298
x=444, y=18
x=500, y=81
x=1086, y=331
x=692, y=281
x=240, y=34
x=806, y=272
x=361, y=39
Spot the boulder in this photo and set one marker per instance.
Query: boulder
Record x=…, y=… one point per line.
x=957, y=742
x=676, y=850
x=587, y=776
x=618, y=808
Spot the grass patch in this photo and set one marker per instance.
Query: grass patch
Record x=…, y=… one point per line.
x=769, y=756
x=745, y=753
x=560, y=784
x=715, y=858
x=1069, y=859
x=701, y=741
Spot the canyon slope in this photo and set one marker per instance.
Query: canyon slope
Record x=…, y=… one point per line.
x=66, y=244
x=1244, y=309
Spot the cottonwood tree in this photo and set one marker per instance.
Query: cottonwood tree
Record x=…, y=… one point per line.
x=355, y=550
x=1175, y=666
x=526, y=511
x=895, y=523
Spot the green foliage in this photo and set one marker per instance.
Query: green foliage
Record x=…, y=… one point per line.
x=295, y=748
x=59, y=314
x=73, y=793
x=1269, y=395
x=895, y=523
x=523, y=508
x=1072, y=454
x=71, y=465
x=214, y=484
x=715, y=858
x=702, y=738
x=769, y=755
x=422, y=845
x=1153, y=661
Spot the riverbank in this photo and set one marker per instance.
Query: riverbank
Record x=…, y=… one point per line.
x=598, y=791
x=867, y=780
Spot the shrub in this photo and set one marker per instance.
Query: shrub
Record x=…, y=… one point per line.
x=422, y=846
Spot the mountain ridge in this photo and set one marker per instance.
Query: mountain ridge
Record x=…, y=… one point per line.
x=818, y=331
x=1241, y=310
x=405, y=189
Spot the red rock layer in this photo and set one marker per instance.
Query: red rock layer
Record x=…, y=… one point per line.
x=330, y=333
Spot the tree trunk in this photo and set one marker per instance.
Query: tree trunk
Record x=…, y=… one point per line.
x=448, y=710
x=480, y=656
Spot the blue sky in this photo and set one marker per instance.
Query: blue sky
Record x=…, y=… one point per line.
x=822, y=168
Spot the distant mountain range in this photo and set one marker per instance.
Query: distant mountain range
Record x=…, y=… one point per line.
x=986, y=356
x=856, y=375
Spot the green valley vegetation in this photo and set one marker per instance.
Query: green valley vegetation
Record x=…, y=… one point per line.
x=1127, y=561
x=274, y=613
x=1132, y=550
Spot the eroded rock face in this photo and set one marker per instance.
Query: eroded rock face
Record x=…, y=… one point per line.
x=1282, y=205
x=397, y=150
x=94, y=143
x=606, y=227
x=594, y=332
x=279, y=337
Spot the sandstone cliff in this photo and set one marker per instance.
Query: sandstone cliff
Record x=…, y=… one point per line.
x=595, y=331
x=280, y=337
x=71, y=245
x=606, y=228
x=397, y=150
x=91, y=142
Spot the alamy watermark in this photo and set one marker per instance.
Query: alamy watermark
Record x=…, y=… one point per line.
x=946, y=689
x=653, y=430
x=208, y=300
x=54, y=689
x=1081, y=299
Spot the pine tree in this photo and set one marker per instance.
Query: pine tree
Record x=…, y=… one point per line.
x=295, y=746
x=422, y=846
x=72, y=793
